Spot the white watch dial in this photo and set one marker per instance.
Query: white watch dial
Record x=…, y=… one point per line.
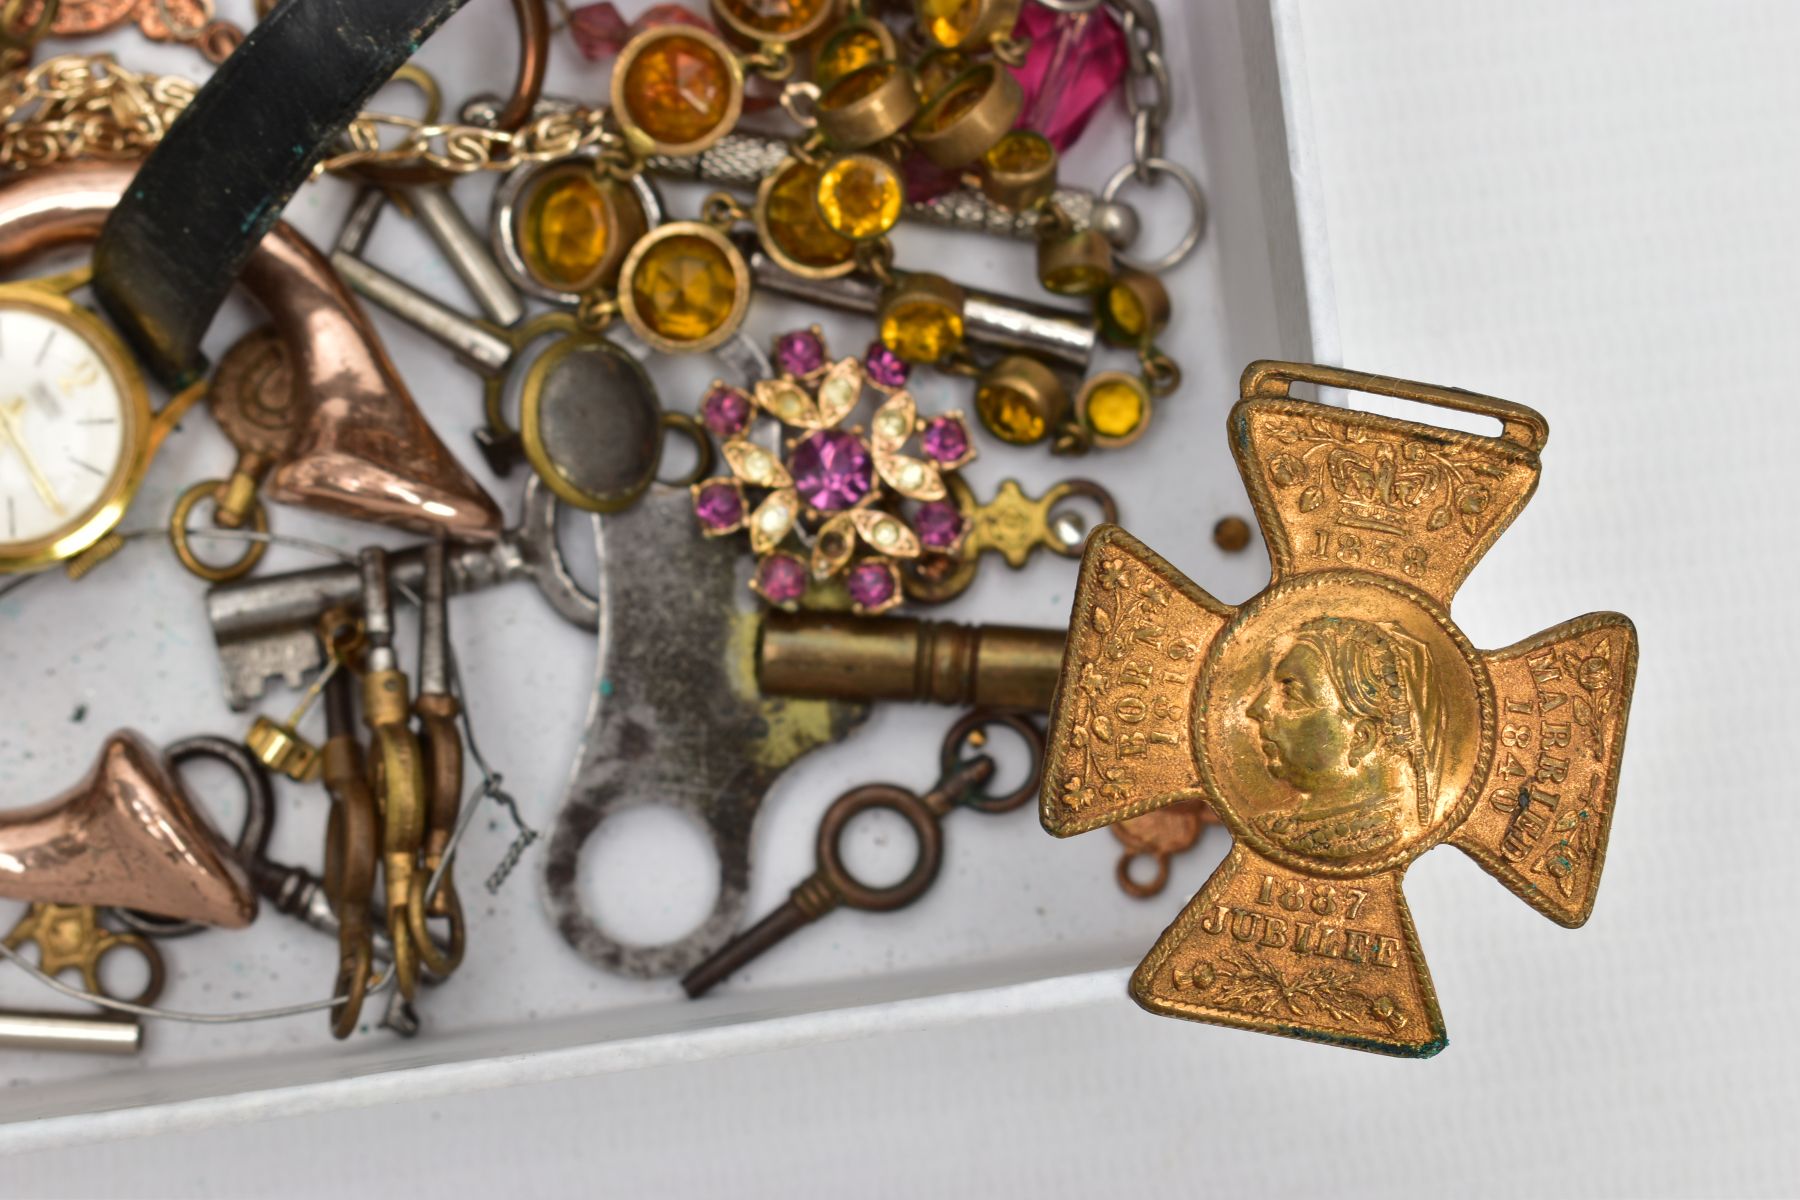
x=63, y=426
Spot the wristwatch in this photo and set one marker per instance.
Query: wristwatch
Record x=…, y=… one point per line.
x=76, y=430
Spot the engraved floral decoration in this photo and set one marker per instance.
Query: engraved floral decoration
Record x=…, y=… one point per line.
x=1245, y=983
x=828, y=506
x=1591, y=667
x=1387, y=481
x=1575, y=838
x=1128, y=598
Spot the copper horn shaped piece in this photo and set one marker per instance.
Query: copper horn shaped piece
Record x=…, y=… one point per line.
x=126, y=835
x=364, y=450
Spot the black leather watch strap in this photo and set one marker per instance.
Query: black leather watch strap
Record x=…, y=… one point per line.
x=228, y=166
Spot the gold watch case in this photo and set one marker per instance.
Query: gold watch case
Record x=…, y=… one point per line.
x=142, y=434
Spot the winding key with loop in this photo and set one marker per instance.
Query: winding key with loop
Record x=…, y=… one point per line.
x=960, y=785
x=253, y=398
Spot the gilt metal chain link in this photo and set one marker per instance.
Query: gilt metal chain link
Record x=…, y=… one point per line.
x=77, y=106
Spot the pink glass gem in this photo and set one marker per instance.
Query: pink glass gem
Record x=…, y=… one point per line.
x=831, y=469
x=799, y=353
x=1074, y=63
x=600, y=32
x=725, y=411
x=870, y=584
x=720, y=506
x=781, y=578
x=885, y=368
x=938, y=523
x=946, y=440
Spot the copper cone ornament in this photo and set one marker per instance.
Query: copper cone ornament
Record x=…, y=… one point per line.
x=1339, y=722
x=364, y=451
x=126, y=835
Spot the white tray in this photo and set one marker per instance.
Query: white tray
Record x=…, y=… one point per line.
x=1017, y=919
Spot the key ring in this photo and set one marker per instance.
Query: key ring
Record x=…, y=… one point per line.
x=971, y=729
x=1088, y=489
x=253, y=834
x=1196, y=199
x=925, y=826
x=179, y=535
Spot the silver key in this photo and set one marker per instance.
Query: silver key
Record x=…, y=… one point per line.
x=264, y=626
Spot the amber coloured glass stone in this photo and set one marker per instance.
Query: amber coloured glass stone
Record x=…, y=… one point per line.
x=773, y=16
x=684, y=287
x=954, y=104
x=846, y=53
x=564, y=232
x=937, y=71
x=795, y=223
x=678, y=89
x=1124, y=311
x=1009, y=414
x=921, y=330
x=1115, y=409
x=856, y=85
x=1020, y=151
x=949, y=21
x=860, y=196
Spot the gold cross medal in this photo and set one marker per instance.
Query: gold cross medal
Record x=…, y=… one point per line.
x=1339, y=722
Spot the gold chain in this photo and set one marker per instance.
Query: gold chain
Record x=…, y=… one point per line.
x=465, y=149
x=75, y=106
x=78, y=106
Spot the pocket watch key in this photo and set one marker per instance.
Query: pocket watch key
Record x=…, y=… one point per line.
x=1339, y=722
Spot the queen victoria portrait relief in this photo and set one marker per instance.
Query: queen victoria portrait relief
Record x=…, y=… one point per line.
x=1348, y=719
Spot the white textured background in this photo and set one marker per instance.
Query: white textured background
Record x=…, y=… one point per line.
x=1587, y=208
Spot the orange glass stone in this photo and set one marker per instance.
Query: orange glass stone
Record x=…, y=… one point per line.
x=773, y=16
x=678, y=89
x=795, y=223
x=684, y=288
x=565, y=231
